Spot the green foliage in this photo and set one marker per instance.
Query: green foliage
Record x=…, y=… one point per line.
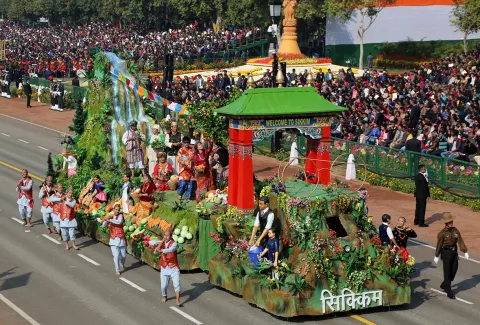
x=79, y=121
x=296, y=284
x=50, y=169
x=204, y=117
x=466, y=17
x=96, y=161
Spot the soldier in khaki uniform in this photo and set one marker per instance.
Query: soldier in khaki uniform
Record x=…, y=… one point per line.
x=447, y=241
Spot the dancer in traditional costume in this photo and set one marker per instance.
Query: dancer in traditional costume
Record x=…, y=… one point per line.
x=185, y=163
x=68, y=223
x=133, y=140
x=144, y=203
x=202, y=169
x=117, y=241
x=152, y=151
x=46, y=190
x=57, y=199
x=98, y=186
x=25, y=198
x=169, y=268
x=162, y=172
x=70, y=163
x=126, y=190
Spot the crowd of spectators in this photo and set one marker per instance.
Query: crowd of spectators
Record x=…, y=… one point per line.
x=433, y=110
x=64, y=49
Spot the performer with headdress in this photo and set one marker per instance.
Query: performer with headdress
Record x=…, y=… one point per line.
x=25, y=198
x=133, y=140
x=47, y=190
x=69, y=162
x=153, y=151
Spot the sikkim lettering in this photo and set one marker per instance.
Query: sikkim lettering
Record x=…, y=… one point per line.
x=350, y=300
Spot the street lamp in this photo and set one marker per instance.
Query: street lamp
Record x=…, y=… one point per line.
x=275, y=13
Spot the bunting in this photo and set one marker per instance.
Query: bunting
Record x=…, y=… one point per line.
x=142, y=92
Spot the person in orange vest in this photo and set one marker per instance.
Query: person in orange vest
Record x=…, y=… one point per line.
x=117, y=238
x=68, y=223
x=169, y=268
x=25, y=198
x=46, y=190
x=57, y=199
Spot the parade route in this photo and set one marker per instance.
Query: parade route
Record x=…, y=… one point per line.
x=54, y=286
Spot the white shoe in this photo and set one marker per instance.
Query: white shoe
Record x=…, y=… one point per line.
x=56, y=107
x=60, y=109
x=4, y=94
x=8, y=96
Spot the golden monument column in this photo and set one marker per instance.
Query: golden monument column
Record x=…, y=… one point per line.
x=289, y=43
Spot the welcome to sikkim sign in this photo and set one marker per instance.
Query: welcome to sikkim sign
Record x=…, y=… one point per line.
x=350, y=300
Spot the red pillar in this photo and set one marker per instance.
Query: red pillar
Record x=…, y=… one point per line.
x=245, y=189
x=311, y=164
x=232, y=167
x=323, y=155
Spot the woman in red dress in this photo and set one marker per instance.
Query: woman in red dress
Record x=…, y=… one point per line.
x=202, y=169
x=144, y=201
x=162, y=172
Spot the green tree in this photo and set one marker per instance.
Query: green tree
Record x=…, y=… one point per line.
x=79, y=121
x=466, y=18
x=364, y=11
x=50, y=168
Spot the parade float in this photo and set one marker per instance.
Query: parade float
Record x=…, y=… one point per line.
x=331, y=259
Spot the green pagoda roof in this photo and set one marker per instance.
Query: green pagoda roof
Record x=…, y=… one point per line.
x=277, y=102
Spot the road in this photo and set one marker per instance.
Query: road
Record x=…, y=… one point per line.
x=49, y=285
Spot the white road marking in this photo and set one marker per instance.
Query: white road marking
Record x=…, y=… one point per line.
x=41, y=126
x=88, y=259
x=5, y=134
x=429, y=246
x=23, y=141
x=459, y=299
x=18, y=310
x=51, y=239
x=133, y=285
x=42, y=148
x=27, y=231
x=187, y=316
x=18, y=220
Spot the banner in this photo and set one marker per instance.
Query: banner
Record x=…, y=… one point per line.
x=142, y=92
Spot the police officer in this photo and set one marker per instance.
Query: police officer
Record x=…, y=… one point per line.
x=447, y=241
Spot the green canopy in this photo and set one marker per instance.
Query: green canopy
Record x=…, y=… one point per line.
x=264, y=102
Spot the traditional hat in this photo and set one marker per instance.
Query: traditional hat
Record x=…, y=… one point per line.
x=133, y=123
x=447, y=217
x=156, y=126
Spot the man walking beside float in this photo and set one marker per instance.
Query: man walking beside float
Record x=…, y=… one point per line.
x=46, y=190
x=68, y=223
x=25, y=198
x=57, y=199
x=169, y=268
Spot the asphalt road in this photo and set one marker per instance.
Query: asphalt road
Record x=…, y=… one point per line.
x=54, y=286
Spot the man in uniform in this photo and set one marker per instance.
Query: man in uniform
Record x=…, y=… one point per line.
x=447, y=241
x=28, y=92
x=61, y=93
x=264, y=219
